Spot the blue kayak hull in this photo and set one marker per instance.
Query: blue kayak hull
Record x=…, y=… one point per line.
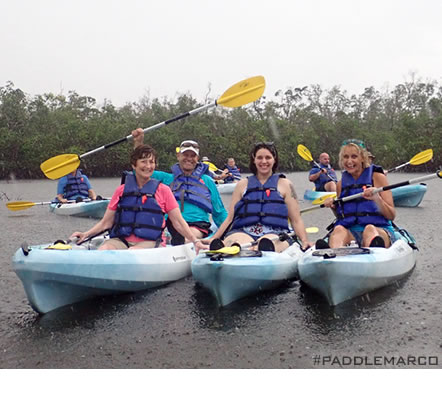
x=340, y=278
x=409, y=196
x=226, y=188
x=55, y=278
x=236, y=277
x=85, y=209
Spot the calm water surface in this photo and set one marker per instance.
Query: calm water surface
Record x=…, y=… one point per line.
x=179, y=325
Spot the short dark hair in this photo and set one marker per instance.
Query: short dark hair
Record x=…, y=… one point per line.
x=263, y=145
x=143, y=151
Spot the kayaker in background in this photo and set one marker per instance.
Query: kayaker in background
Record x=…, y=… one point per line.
x=136, y=210
x=325, y=177
x=371, y=158
x=261, y=206
x=206, y=161
x=366, y=220
x=194, y=190
x=74, y=186
x=231, y=171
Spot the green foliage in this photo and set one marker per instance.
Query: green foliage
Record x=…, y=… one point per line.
x=395, y=124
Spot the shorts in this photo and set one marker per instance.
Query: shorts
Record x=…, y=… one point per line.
x=124, y=244
x=290, y=240
x=356, y=231
x=178, y=239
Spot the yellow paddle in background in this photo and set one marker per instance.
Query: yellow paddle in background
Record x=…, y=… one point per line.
x=307, y=156
x=241, y=93
x=418, y=159
x=321, y=199
x=23, y=205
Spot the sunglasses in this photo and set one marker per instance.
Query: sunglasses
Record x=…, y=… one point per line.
x=190, y=143
x=265, y=144
x=354, y=141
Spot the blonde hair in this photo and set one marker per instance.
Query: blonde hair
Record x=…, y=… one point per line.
x=361, y=151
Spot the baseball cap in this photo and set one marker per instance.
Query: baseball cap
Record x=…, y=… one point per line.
x=190, y=145
x=205, y=158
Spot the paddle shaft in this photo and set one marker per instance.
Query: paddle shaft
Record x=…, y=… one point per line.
x=438, y=174
x=151, y=128
x=398, y=167
x=23, y=205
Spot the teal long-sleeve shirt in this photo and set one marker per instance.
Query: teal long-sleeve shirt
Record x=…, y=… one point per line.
x=193, y=213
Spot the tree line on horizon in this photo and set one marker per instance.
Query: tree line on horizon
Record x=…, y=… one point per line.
x=395, y=124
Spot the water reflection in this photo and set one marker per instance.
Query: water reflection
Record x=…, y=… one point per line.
x=323, y=319
x=238, y=314
x=87, y=313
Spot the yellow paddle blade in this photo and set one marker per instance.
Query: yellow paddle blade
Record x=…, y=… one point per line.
x=19, y=205
x=243, y=92
x=61, y=165
x=422, y=157
x=59, y=246
x=321, y=199
x=304, y=153
x=312, y=229
x=226, y=250
x=212, y=166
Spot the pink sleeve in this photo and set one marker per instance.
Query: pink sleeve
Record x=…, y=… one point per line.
x=165, y=198
x=116, y=198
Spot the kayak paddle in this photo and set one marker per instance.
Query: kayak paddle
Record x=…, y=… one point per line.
x=237, y=95
x=23, y=205
x=321, y=199
x=438, y=174
x=307, y=156
x=418, y=159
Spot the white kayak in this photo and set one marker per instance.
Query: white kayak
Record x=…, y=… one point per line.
x=249, y=272
x=226, y=188
x=90, y=209
x=344, y=273
x=54, y=278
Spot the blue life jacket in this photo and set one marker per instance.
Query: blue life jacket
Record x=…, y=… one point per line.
x=236, y=174
x=191, y=188
x=138, y=212
x=75, y=186
x=358, y=211
x=261, y=204
x=323, y=178
x=202, y=168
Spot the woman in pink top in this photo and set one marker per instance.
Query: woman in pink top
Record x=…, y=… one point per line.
x=136, y=211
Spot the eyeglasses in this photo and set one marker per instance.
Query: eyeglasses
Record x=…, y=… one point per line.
x=190, y=143
x=354, y=141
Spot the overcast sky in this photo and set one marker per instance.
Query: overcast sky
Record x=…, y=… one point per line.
x=121, y=50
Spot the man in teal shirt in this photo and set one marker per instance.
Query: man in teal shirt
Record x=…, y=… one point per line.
x=194, y=190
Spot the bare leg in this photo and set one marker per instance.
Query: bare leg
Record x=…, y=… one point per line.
x=279, y=246
x=340, y=237
x=370, y=232
x=238, y=237
x=330, y=186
